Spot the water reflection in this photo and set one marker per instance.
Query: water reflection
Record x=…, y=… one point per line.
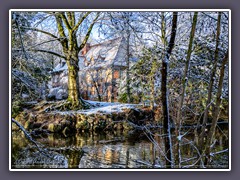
x=98, y=150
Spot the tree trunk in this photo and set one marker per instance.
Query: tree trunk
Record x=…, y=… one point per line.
x=71, y=49
x=210, y=87
x=21, y=39
x=128, y=62
x=152, y=93
x=96, y=84
x=164, y=90
x=73, y=92
x=184, y=83
x=67, y=27
x=216, y=111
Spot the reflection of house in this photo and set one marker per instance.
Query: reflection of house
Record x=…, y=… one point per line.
x=100, y=66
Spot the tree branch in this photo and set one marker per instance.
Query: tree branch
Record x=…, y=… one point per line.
x=43, y=50
x=49, y=52
x=44, y=42
x=213, y=18
x=39, y=30
x=65, y=21
x=88, y=33
x=21, y=40
x=71, y=18
x=29, y=137
x=61, y=32
x=80, y=21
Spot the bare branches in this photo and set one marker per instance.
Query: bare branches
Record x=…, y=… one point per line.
x=29, y=137
x=61, y=32
x=88, y=33
x=21, y=40
x=43, y=50
x=80, y=21
x=39, y=30
x=213, y=73
x=65, y=21
x=44, y=42
x=71, y=18
x=214, y=18
x=26, y=79
x=164, y=89
x=49, y=52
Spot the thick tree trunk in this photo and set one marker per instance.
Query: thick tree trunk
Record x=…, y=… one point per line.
x=73, y=82
x=73, y=92
x=178, y=121
x=67, y=27
x=216, y=112
x=164, y=90
x=71, y=49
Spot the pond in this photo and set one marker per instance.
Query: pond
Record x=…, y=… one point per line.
x=107, y=150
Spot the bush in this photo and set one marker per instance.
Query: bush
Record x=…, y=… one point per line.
x=16, y=108
x=122, y=98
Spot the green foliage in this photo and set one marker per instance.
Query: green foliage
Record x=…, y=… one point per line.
x=16, y=108
x=122, y=98
x=144, y=79
x=134, y=98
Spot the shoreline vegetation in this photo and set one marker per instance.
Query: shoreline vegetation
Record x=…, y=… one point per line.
x=130, y=87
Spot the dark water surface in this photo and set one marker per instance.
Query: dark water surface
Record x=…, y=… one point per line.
x=107, y=150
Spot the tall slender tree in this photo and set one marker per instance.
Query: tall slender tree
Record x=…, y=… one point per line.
x=213, y=72
x=164, y=90
x=183, y=88
x=207, y=147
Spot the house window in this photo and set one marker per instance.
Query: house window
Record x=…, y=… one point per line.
x=55, y=79
x=86, y=63
x=88, y=91
x=92, y=61
x=93, y=91
x=116, y=74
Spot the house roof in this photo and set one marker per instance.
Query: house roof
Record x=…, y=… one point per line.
x=60, y=68
x=108, y=53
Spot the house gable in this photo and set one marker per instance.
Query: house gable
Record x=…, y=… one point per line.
x=100, y=66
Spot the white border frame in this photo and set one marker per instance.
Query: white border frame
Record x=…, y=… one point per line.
x=105, y=10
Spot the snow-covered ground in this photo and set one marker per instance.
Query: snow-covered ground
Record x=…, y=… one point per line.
x=107, y=107
x=102, y=108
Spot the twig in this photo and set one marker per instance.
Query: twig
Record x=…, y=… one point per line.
x=29, y=137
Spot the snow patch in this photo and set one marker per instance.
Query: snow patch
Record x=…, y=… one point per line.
x=58, y=92
x=108, y=108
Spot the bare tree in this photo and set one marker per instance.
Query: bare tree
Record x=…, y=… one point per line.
x=67, y=26
x=182, y=94
x=210, y=87
x=164, y=90
x=208, y=144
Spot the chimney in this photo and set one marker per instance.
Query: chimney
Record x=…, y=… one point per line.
x=86, y=49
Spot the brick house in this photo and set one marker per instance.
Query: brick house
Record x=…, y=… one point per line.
x=101, y=66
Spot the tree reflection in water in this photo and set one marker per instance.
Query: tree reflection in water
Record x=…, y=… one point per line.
x=99, y=150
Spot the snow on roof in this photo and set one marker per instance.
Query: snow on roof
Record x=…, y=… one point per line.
x=112, y=52
x=59, y=68
x=108, y=53
x=107, y=49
